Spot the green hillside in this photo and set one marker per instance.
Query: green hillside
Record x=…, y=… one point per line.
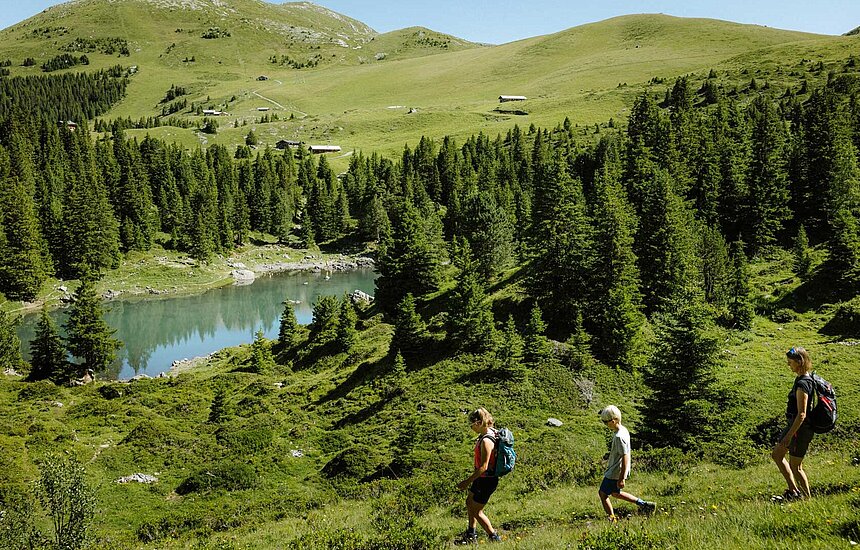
x=355, y=87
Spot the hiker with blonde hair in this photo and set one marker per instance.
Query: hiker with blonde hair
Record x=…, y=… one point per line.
x=795, y=438
x=618, y=465
x=483, y=481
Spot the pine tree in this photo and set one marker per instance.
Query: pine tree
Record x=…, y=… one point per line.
x=88, y=337
x=262, y=361
x=10, y=344
x=91, y=233
x=410, y=331
x=48, y=355
x=536, y=346
x=616, y=302
x=682, y=405
x=347, y=335
x=472, y=324
x=488, y=229
x=741, y=298
x=509, y=350
x=410, y=261
x=288, y=326
x=22, y=266
x=767, y=177
x=802, y=257
x=664, y=245
x=715, y=265
x=218, y=411
x=324, y=319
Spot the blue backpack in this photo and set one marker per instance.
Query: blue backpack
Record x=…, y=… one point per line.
x=506, y=457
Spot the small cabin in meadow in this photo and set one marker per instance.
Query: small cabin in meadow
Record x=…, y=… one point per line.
x=287, y=143
x=318, y=149
x=214, y=112
x=506, y=98
x=69, y=125
x=262, y=77
x=263, y=108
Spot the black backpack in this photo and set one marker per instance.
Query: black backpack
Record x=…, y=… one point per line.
x=822, y=418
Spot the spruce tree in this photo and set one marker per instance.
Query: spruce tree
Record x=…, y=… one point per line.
x=10, y=344
x=536, y=346
x=347, y=335
x=324, y=319
x=218, y=411
x=472, y=324
x=410, y=331
x=616, y=303
x=802, y=259
x=88, y=337
x=262, y=361
x=715, y=265
x=509, y=350
x=48, y=354
x=488, y=229
x=741, y=297
x=682, y=404
x=767, y=177
x=22, y=265
x=288, y=326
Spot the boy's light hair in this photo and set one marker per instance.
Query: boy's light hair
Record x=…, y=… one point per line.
x=483, y=415
x=610, y=412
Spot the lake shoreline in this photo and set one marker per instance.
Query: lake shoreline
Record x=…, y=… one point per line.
x=176, y=275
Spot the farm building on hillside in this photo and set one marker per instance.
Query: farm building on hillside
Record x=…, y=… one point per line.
x=213, y=112
x=506, y=98
x=69, y=125
x=317, y=149
x=263, y=108
x=262, y=77
x=284, y=143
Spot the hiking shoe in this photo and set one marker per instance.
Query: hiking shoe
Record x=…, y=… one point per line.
x=495, y=537
x=790, y=495
x=648, y=507
x=467, y=538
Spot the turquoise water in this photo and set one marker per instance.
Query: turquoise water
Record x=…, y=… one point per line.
x=157, y=332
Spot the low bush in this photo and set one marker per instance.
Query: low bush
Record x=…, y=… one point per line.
x=356, y=462
x=245, y=441
x=43, y=390
x=670, y=460
x=784, y=315
x=846, y=318
x=581, y=470
x=229, y=476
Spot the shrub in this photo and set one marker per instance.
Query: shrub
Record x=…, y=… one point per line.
x=43, y=390
x=846, y=319
x=244, y=442
x=669, y=460
x=69, y=501
x=356, y=462
x=230, y=476
x=784, y=315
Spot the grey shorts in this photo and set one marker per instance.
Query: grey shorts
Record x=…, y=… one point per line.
x=800, y=441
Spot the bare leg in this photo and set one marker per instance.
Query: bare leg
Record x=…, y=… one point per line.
x=799, y=474
x=778, y=456
x=626, y=496
x=470, y=510
x=476, y=513
x=604, y=500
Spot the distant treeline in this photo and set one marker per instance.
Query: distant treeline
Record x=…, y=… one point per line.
x=71, y=96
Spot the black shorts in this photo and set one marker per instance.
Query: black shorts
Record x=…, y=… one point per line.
x=800, y=441
x=482, y=488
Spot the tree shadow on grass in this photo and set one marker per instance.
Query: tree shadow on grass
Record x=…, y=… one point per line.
x=823, y=286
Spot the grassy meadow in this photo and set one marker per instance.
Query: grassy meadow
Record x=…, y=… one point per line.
x=380, y=453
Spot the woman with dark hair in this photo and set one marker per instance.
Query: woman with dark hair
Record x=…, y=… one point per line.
x=795, y=438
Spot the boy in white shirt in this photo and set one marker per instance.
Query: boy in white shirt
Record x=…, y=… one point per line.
x=618, y=465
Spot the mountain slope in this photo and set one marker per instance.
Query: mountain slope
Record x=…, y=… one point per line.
x=333, y=79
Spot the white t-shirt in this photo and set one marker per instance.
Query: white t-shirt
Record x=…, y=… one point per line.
x=620, y=446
